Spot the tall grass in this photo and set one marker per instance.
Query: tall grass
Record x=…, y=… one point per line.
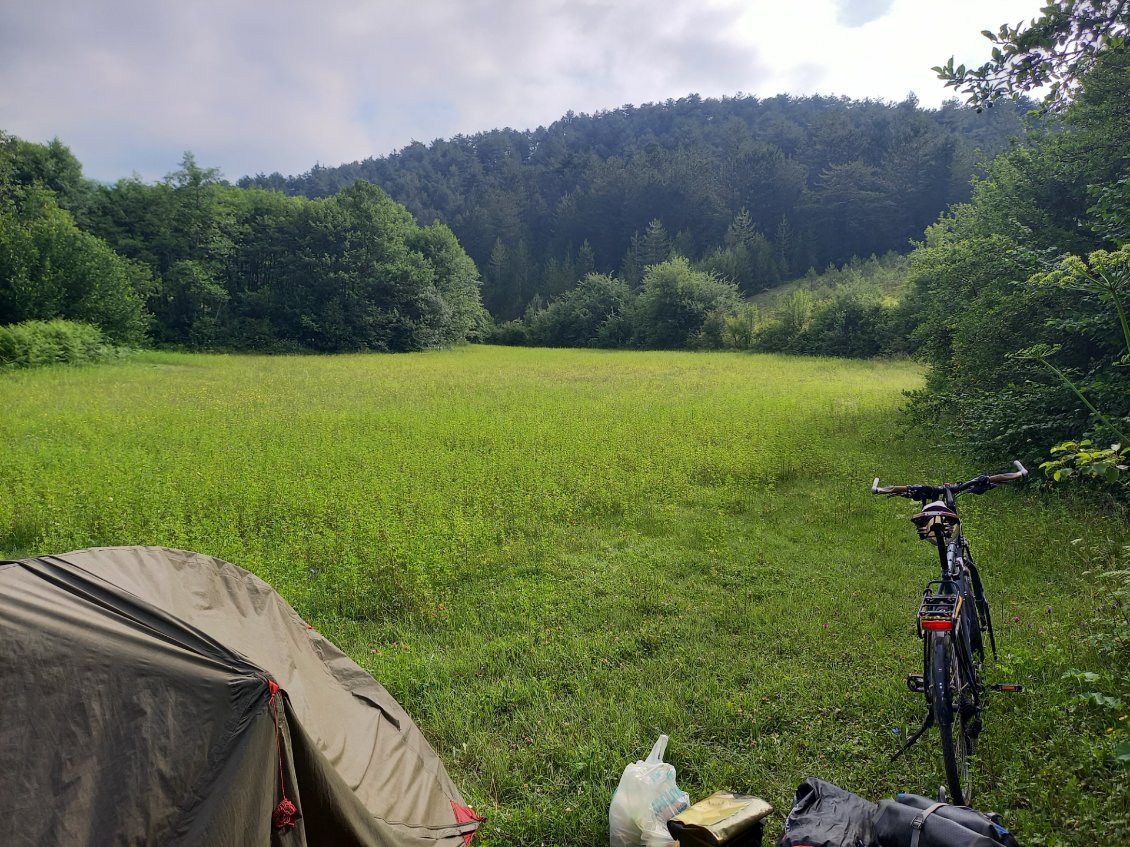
x=550, y=557
x=882, y=279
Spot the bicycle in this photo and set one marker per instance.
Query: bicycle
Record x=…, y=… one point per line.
x=953, y=617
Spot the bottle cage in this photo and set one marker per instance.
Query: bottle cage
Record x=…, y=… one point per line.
x=933, y=515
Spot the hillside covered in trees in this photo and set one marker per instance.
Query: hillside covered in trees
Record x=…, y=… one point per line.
x=404, y=252
x=755, y=191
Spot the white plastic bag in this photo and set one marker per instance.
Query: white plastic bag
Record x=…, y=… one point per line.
x=645, y=799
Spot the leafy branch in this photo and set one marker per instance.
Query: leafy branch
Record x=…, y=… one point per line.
x=1042, y=353
x=1105, y=275
x=1054, y=51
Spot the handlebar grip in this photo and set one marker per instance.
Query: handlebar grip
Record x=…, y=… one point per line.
x=1021, y=473
x=887, y=489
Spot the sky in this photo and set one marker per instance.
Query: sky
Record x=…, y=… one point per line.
x=252, y=86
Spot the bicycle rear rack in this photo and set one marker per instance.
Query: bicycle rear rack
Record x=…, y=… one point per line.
x=939, y=612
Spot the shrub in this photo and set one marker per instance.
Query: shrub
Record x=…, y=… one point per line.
x=590, y=315
x=34, y=343
x=511, y=333
x=675, y=303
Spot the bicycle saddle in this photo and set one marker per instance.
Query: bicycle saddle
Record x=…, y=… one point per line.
x=933, y=515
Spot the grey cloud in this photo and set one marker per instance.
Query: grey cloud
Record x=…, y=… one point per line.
x=281, y=85
x=860, y=12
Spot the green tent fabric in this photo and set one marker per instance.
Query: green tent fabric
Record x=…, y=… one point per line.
x=138, y=705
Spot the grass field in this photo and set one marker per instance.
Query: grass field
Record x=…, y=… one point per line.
x=550, y=557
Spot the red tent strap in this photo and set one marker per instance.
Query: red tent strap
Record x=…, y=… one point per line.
x=286, y=813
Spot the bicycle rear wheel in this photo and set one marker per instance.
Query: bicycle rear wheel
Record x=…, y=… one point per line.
x=950, y=701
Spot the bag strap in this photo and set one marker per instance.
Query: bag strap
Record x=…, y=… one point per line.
x=920, y=821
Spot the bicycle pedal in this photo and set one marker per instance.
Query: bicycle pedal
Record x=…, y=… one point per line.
x=1008, y=687
x=916, y=682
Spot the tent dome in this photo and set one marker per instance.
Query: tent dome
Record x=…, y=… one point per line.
x=139, y=706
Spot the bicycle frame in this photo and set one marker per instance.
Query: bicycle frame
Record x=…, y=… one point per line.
x=959, y=571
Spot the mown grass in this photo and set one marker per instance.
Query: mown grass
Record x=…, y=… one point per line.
x=550, y=557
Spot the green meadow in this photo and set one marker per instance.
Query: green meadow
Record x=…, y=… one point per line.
x=551, y=557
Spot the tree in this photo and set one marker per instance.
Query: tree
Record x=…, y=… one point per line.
x=457, y=283
x=586, y=259
x=594, y=314
x=359, y=274
x=632, y=266
x=747, y=257
x=984, y=311
x=783, y=245
x=741, y=229
x=49, y=268
x=1056, y=50
x=356, y=283
x=498, y=270
x=675, y=301
x=52, y=166
x=655, y=246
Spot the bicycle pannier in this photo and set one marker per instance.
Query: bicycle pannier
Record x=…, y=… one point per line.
x=825, y=815
x=911, y=820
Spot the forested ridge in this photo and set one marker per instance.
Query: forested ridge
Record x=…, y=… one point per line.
x=404, y=252
x=810, y=181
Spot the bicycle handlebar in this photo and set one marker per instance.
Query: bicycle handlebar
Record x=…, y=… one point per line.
x=978, y=485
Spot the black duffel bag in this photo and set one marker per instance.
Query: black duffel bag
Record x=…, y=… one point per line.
x=911, y=820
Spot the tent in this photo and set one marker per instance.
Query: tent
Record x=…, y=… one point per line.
x=154, y=696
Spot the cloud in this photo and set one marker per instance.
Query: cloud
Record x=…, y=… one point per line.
x=280, y=85
x=859, y=12
x=265, y=85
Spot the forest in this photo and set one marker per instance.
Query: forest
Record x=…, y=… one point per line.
x=194, y=261
x=754, y=191
x=749, y=193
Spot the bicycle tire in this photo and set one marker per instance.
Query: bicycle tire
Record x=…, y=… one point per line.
x=954, y=730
